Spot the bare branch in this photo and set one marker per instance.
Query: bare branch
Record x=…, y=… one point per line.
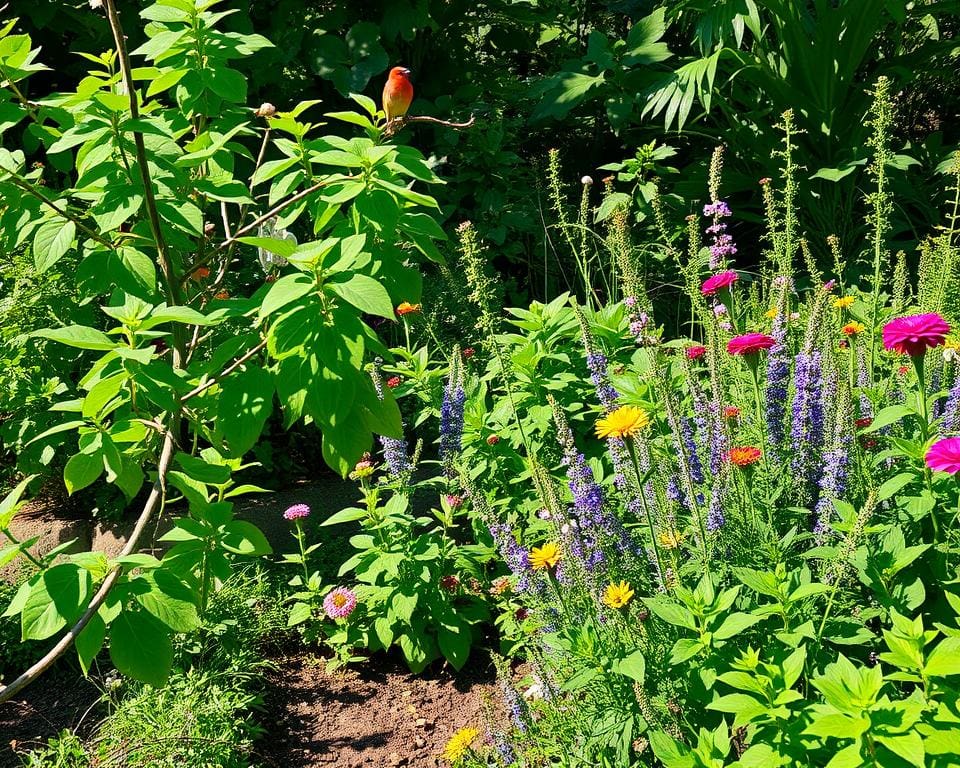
x=64, y=643
x=398, y=123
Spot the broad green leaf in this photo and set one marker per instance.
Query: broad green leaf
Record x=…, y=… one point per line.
x=244, y=404
x=81, y=470
x=51, y=242
x=365, y=293
x=79, y=336
x=57, y=599
x=347, y=515
x=287, y=289
x=140, y=647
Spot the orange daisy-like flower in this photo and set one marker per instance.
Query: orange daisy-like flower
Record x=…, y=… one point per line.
x=406, y=308
x=200, y=273
x=853, y=328
x=744, y=456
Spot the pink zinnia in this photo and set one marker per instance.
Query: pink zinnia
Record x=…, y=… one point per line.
x=913, y=334
x=944, y=455
x=297, y=512
x=339, y=603
x=749, y=343
x=718, y=281
x=696, y=352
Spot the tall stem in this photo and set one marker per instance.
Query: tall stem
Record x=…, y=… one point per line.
x=631, y=448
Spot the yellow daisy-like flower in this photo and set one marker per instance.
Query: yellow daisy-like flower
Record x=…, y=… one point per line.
x=617, y=595
x=772, y=312
x=671, y=539
x=843, y=302
x=626, y=421
x=460, y=743
x=546, y=556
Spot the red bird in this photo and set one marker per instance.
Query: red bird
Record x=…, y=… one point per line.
x=397, y=93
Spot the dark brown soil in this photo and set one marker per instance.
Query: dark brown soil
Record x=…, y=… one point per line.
x=61, y=700
x=376, y=715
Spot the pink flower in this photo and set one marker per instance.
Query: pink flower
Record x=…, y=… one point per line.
x=749, y=343
x=944, y=455
x=296, y=512
x=696, y=352
x=339, y=603
x=913, y=334
x=718, y=281
x=454, y=501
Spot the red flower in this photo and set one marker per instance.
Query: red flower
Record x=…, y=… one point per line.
x=696, y=352
x=944, y=455
x=903, y=370
x=468, y=353
x=493, y=439
x=718, y=282
x=866, y=421
x=744, y=456
x=449, y=583
x=393, y=381
x=200, y=273
x=871, y=443
x=731, y=412
x=749, y=343
x=913, y=334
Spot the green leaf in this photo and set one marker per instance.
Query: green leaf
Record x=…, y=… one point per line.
x=670, y=612
x=11, y=502
x=51, y=242
x=169, y=600
x=198, y=469
x=365, y=293
x=243, y=538
x=347, y=515
x=81, y=470
x=244, y=404
x=90, y=641
x=454, y=642
x=287, y=289
x=79, y=336
x=945, y=658
x=892, y=486
x=889, y=415
x=633, y=666
x=56, y=600
x=140, y=647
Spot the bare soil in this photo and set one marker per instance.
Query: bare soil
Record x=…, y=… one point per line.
x=376, y=715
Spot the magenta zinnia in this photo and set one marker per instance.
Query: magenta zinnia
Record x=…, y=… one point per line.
x=297, y=512
x=718, y=281
x=339, y=603
x=913, y=334
x=749, y=343
x=944, y=455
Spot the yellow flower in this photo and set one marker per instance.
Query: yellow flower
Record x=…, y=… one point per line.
x=626, y=421
x=843, y=302
x=546, y=556
x=460, y=743
x=617, y=595
x=671, y=539
x=772, y=312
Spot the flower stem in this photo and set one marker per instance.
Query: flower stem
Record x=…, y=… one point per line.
x=646, y=510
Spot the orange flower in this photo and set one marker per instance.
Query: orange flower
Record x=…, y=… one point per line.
x=731, y=412
x=744, y=456
x=852, y=328
x=200, y=273
x=406, y=308
x=222, y=295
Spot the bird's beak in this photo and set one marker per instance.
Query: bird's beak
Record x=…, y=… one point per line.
x=407, y=72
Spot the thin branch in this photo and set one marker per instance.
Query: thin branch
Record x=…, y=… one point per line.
x=225, y=372
x=26, y=187
x=158, y=490
x=398, y=123
x=170, y=284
